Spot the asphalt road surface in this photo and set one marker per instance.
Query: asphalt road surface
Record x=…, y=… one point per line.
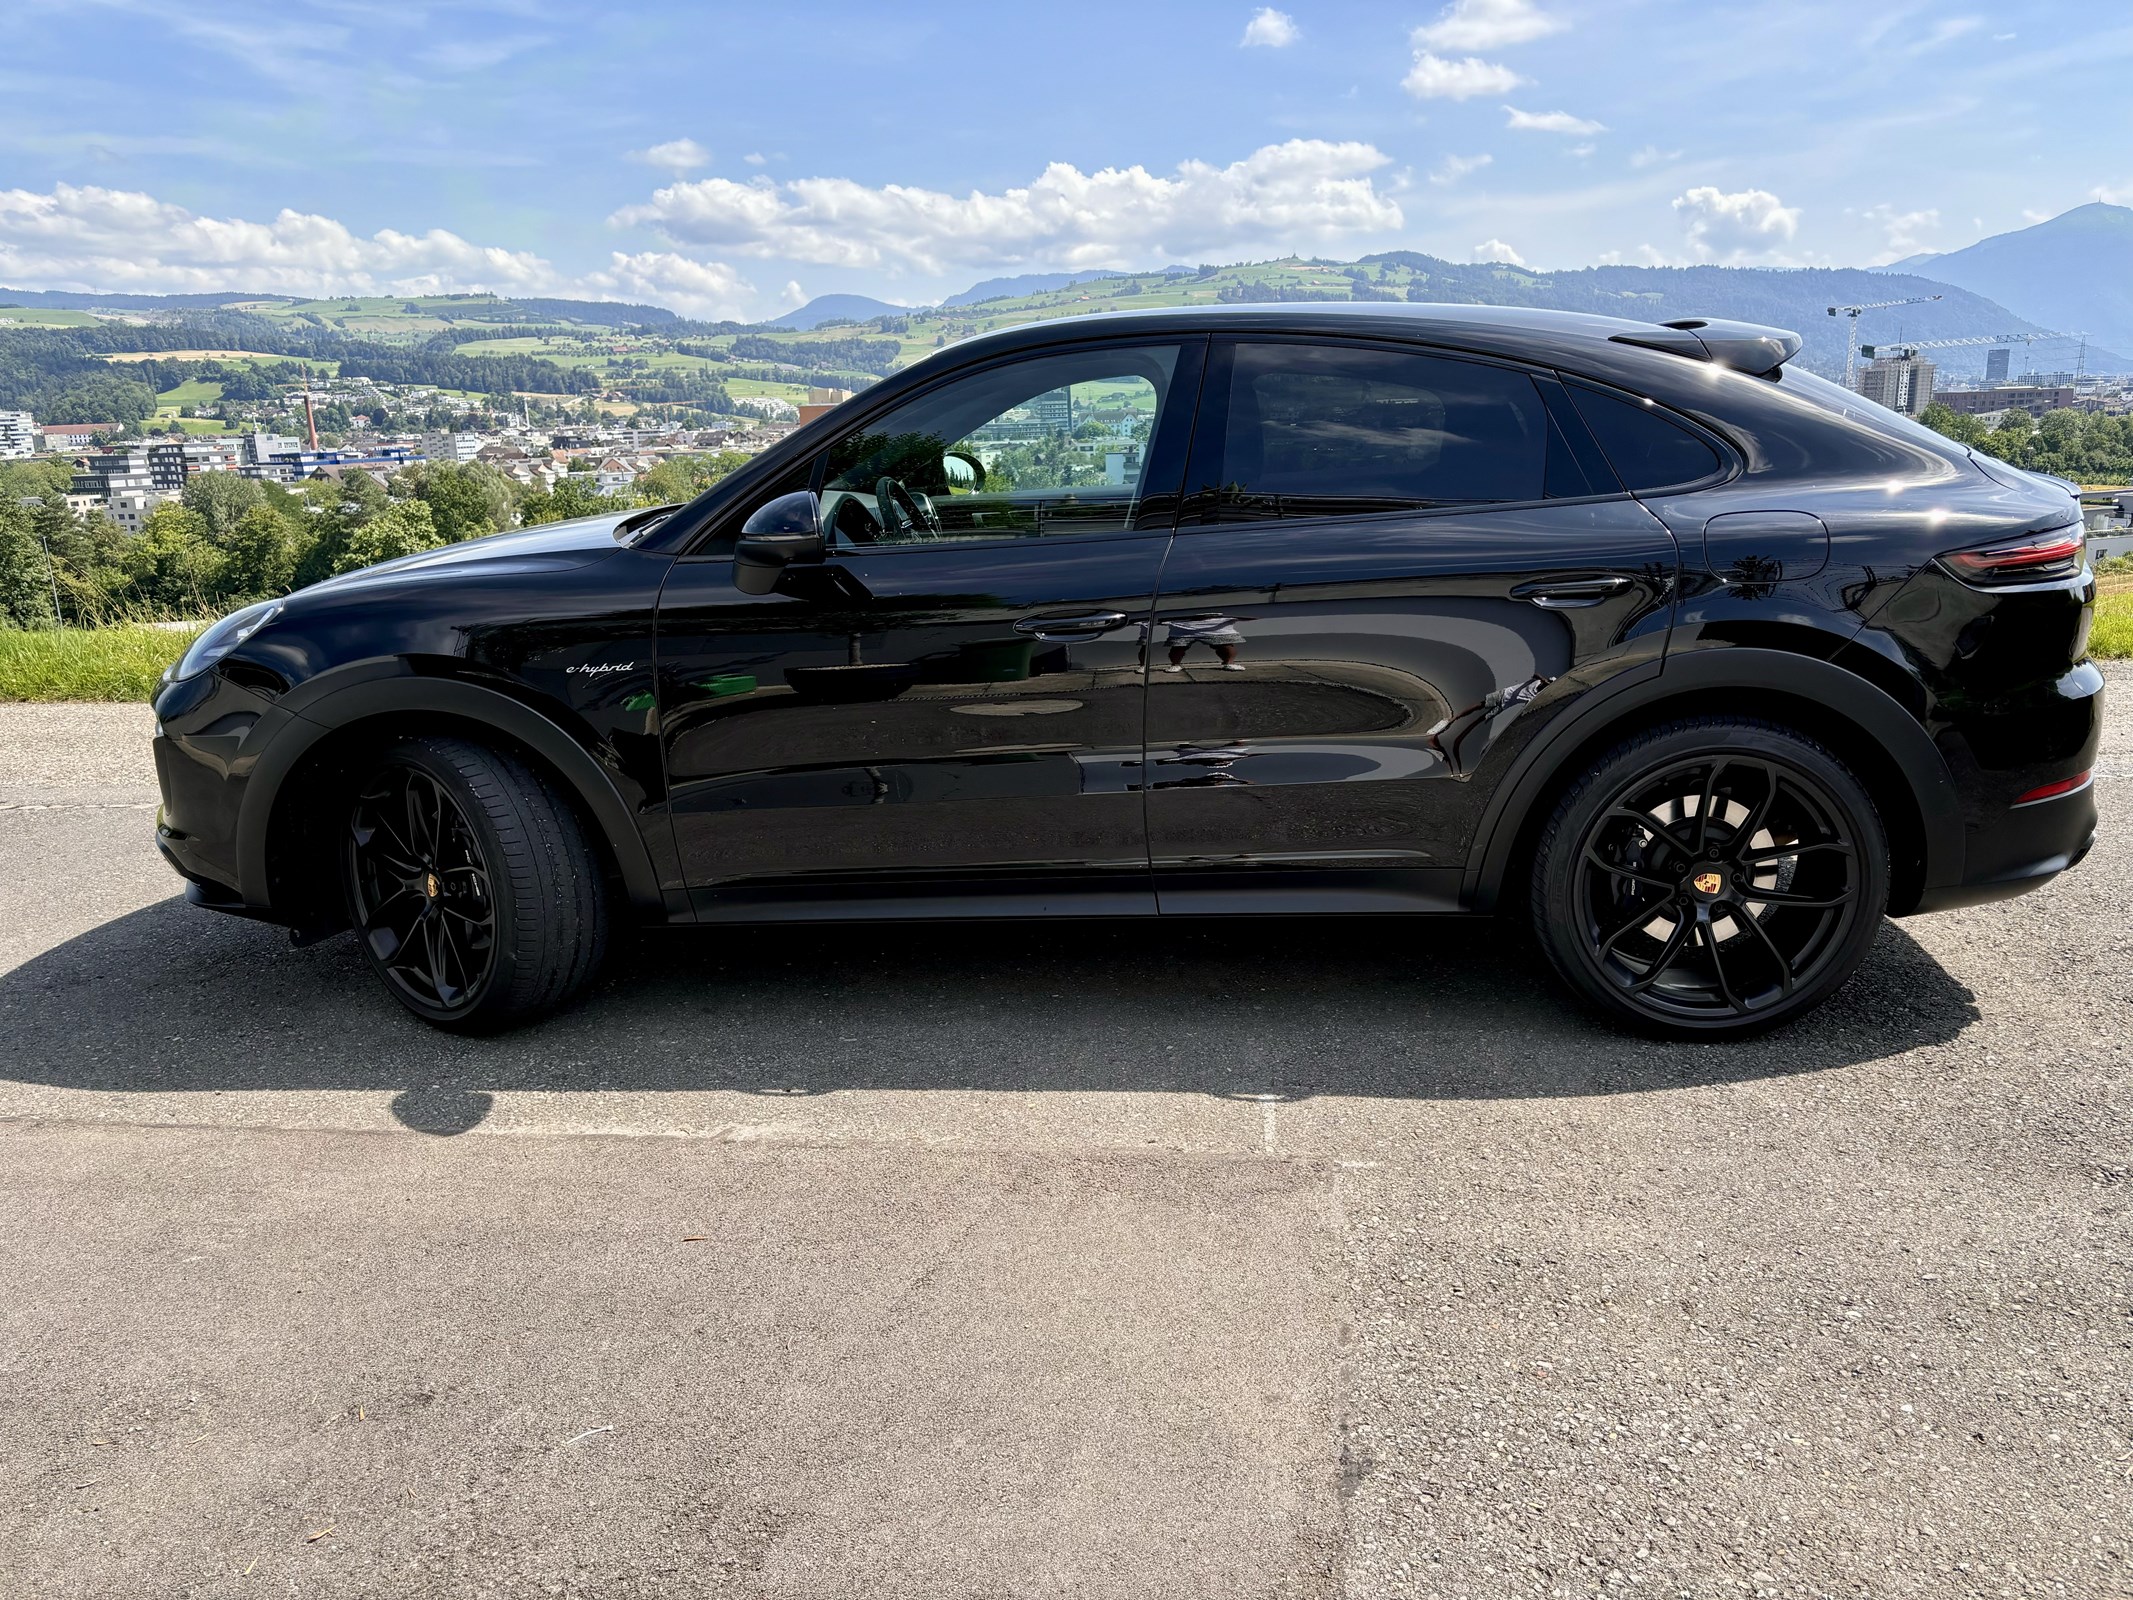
x=1247, y=1259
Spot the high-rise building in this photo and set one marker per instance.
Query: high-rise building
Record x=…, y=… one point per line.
x=171, y=463
x=1902, y=383
x=18, y=435
x=1996, y=365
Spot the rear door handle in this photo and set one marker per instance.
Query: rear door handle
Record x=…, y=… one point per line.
x=1567, y=594
x=1069, y=627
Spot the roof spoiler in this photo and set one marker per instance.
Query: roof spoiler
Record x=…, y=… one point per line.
x=1743, y=346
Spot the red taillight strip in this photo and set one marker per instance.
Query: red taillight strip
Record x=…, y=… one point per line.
x=2014, y=557
x=2052, y=791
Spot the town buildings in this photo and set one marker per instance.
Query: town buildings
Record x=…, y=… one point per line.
x=18, y=435
x=1902, y=383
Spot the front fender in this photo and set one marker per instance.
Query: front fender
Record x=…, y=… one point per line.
x=386, y=689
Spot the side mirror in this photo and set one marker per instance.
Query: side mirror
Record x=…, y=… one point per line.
x=787, y=530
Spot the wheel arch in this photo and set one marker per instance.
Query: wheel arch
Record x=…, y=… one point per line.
x=1861, y=722
x=276, y=822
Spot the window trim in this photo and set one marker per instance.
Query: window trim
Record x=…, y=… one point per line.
x=1187, y=379
x=1213, y=415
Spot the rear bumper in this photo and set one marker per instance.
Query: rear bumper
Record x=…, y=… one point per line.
x=2033, y=846
x=2048, y=736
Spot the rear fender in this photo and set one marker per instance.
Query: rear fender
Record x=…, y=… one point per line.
x=1555, y=761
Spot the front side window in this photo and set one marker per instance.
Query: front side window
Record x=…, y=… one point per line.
x=1334, y=431
x=1051, y=445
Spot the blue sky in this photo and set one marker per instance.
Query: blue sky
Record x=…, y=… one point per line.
x=726, y=159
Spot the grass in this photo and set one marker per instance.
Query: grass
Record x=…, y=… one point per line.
x=116, y=663
x=2112, y=635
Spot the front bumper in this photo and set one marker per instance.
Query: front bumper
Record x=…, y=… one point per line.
x=209, y=733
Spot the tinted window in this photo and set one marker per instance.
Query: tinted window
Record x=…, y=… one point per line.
x=1327, y=431
x=1055, y=444
x=1648, y=449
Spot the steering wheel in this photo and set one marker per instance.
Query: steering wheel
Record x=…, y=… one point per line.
x=902, y=514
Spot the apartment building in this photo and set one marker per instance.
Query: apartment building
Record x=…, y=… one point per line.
x=18, y=435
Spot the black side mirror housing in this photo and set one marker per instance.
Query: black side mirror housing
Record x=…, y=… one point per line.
x=783, y=533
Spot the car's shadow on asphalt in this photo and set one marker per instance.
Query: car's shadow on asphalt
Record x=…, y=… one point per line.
x=171, y=998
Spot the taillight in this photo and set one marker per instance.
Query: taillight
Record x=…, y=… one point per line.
x=2037, y=558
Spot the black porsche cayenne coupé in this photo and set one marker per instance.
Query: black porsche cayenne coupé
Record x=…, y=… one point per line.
x=1698, y=660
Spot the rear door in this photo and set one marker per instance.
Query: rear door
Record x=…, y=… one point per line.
x=1392, y=567
x=951, y=704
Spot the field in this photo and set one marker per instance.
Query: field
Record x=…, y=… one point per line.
x=40, y=317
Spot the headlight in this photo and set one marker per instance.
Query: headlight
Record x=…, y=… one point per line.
x=225, y=636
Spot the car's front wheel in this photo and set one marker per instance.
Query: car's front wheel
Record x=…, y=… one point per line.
x=476, y=894
x=1712, y=877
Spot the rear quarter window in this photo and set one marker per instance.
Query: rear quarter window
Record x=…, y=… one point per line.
x=1648, y=448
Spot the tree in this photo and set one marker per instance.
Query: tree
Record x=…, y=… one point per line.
x=571, y=497
x=1963, y=429
x=466, y=499
x=221, y=498
x=171, y=564
x=403, y=529
x=259, y=555
x=25, y=579
x=679, y=479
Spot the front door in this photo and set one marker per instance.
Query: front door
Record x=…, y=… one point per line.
x=1392, y=566
x=950, y=704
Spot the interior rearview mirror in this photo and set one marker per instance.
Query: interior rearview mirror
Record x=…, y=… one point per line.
x=777, y=535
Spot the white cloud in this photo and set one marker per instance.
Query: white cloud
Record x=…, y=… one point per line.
x=1274, y=29
x=1736, y=228
x=2121, y=195
x=1452, y=168
x=1905, y=231
x=1581, y=151
x=1551, y=122
x=1486, y=25
x=1652, y=156
x=93, y=238
x=676, y=155
x=1294, y=195
x=1946, y=31
x=1497, y=250
x=755, y=158
x=1438, y=78
x=708, y=289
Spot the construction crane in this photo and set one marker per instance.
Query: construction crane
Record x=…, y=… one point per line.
x=1911, y=347
x=1852, y=314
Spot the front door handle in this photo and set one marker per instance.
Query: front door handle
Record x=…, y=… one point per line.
x=1568, y=594
x=1071, y=627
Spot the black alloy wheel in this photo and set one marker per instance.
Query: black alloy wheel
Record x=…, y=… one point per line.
x=476, y=890
x=423, y=903
x=1716, y=877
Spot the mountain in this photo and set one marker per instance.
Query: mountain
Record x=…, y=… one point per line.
x=2074, y=272
x=835, y=308
x=1024, y=283
x=1795, y=298
x=601, y=313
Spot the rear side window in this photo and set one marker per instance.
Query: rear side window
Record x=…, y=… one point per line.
x=1335, y=431
x=1649, y=450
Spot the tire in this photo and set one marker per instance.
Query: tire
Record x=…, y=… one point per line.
x=473, y=887
x=1711, y=878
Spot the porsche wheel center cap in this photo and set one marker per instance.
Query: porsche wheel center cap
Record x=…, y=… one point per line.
x=1707, y=882
x=432, y=888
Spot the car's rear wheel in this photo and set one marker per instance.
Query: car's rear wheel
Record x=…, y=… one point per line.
x=477, y=896
x=1712, y=877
